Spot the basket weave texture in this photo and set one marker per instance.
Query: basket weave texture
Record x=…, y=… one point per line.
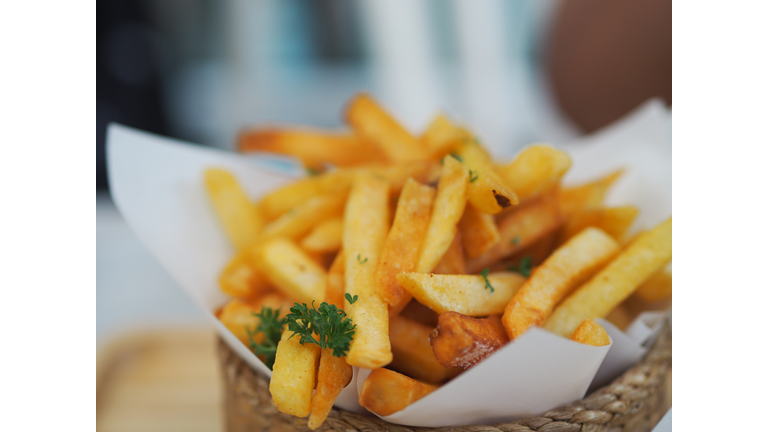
x=635, y=401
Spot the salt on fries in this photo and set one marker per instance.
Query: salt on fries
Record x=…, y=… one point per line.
x=419, y=253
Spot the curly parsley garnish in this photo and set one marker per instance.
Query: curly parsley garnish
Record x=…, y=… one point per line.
x=525, y=267
x=271, y=326
x=484, y=274
x=331, y=325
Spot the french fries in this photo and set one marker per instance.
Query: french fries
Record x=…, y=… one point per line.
x=332, y=376
x=386, y=392
x=452, y=261
x=241, y=279
x=365, y=229
x=478, y=231
x=466, y=294
x=569, y=265
x=294, y=375
x=633, y=266
x=325, y=237
x=589, y=332
x=536, y=170
x=282, y=200
x=302, y=218
x=462, y=341
x=658, y=287
x=613, y=221
x=239, y=217
x=442, y=137
x=412, y=353
x=587, y=195
x=334, y=288
x=487, y=191
x=291, y=270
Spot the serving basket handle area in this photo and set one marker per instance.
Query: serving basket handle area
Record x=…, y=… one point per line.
x=635, y=401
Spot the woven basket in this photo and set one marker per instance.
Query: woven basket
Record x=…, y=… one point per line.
x=635, y=401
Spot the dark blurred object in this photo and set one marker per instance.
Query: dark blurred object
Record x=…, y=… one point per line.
x=127, y=74
x=607, y=56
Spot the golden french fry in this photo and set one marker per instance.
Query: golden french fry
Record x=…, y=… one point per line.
x=282, y=200
x=239, y=217
x=401, y=249
x=620, y=316
x=365, y=229
x=373, y=124
x=589, y=332
x=658, y=287
x=568, y=266
x=313, y=147
x=425, y=172
x=462, y=341
x=633, y=266
x=519, y=230
x=386, y=392
x=416, y=311
x=302, y=218
x=237, y=314
x=241, y=279
x=536, y=170
x=614, y=221
x=291, y=270
x=466, y=294
x=487, y=190
x=453, y=260
x=293, y=375
x=590, y=194
x=478, y=231
x=325, y=237
x=334, y=289
x=332, y=376
x=449, y=206
x=412, y=354
x=442, y=137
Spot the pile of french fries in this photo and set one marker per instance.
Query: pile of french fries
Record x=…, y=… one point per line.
x=448, y=254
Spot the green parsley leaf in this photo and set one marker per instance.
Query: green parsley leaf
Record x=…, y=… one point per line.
x=271, y=326
x=361, y=261
x=473, y=175
x=312, y=172
x=457, y=157
x=350, y=299
x=524, y=268
x=516, y=240
x=331, y=325
x=484, y=274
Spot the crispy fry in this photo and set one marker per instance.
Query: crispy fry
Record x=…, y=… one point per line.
x=633, y=266
x=386, y=392
x=416, y=311
x=590, y=332
x=291, y=270
x=334, y=288
x=365, y=230
x=241, y=279
x=425, y=172
x=372, y=123
x=478, y=231
x=537, y=169
x=658, y=287
x=568, y=266
x=313, y=147
x=401, y=249
x=465, y=294
x=302, y=218
x=519, y=230
x=412, y=354
x=325, y=237
x=237, y=314
x=453, y=260
x=449, y=206
x=332, y=376
x=294, y=375
x=620, y=316
x=239, y=217
x=614, y=221
x=442, y=137
x=282, y=200
x=461, y=341
x=487, y=190
x=591, y=194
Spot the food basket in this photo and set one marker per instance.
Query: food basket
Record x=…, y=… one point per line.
x=635, y=401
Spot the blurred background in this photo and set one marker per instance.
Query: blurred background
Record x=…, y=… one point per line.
x=516, y=71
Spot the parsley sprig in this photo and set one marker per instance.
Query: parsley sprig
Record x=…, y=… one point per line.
x=525, y=267
x=331, y=325
x=271, y=326
x=484, y=274
x=473, y=175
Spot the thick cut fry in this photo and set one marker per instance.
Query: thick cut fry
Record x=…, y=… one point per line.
x=332, y=376
x=537, y=169
x=633, y=266
x=293, y=375
x=461, y=341
x=282, y=200
x=386, y=392
x=487, y=190
x=524, y=227
x=241, y=279
x=401, y=249
x=325, y=237
x=334, y=289
x=466, y=294
x=365, y=229
x=658, y=287
x=413, y=355
x=302, y=218
x=478, y=231
x=453, y=260
x=590, y=332
x=373, y=124
x=442, y=137
x=291, y=270
x=591, y=194
x=449, y=205
x=239, y=217
x=313, y=147
x=620, y=316
x=614, y=221
x=568, y=266
x=416, y=311
x=236, y=315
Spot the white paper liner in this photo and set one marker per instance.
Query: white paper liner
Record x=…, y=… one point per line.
x=157, y=185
